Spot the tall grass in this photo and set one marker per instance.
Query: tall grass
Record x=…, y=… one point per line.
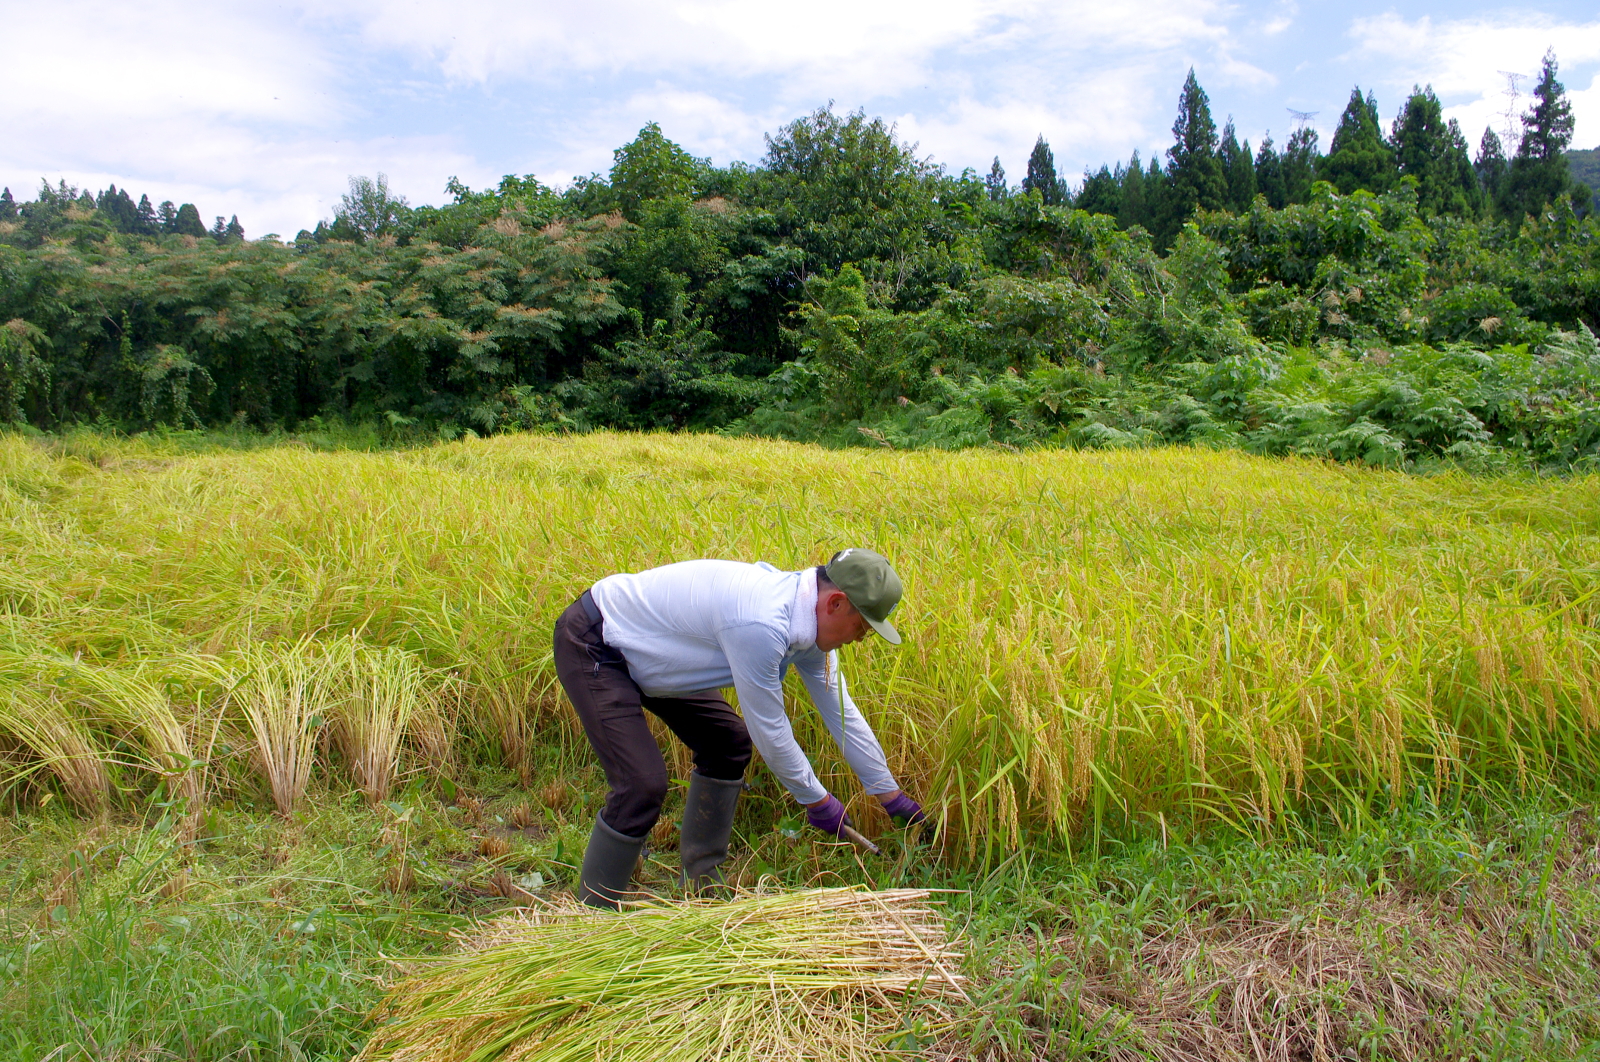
x=1156, y=636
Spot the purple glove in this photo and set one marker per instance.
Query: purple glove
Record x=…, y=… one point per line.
x=904, y=808
x=829, y=816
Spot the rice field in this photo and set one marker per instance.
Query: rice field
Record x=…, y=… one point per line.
x=1232, y=756
x=1157, y=639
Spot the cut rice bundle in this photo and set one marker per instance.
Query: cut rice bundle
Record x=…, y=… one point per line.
x=835, y=974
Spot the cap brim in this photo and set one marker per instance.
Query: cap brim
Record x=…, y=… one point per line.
x=883, y=627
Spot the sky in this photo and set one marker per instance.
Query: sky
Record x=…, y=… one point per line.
x=265, y=110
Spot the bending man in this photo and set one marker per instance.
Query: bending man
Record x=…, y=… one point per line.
x=667, y=640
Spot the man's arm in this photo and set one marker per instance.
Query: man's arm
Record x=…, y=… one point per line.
x=755, y=656
x=850, y=730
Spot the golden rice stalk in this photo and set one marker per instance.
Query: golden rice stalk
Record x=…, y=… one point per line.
x=826, y=974
x=59, y=742
x=129, y=701
x=432, y=726
x=381, y=690
x=284, y=697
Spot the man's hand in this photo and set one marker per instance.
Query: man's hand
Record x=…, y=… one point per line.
x=902, y=809
x=828, y=815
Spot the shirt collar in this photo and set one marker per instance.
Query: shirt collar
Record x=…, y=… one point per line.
x=803, y=616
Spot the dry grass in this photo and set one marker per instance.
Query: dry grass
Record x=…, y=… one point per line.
x=1386, y=977
x=833, y=975
x=1394, y=974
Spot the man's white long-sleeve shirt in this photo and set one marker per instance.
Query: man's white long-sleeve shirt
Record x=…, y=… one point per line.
x=709, y=624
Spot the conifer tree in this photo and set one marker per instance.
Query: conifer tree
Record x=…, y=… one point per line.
x=235, y=231
x=1359, y=157
x=1269, y=175
x=1238, y=168
x=1042, y=174
x=1301, y=157
x=1466, y=179
x=149, y=225
x=116, y=207
x=996, y=181
x=187, y=221
x=1490, y=166
x=1133, y=208
x=1101, y=192
x=1433, y=152
x=1195, y=180
x=1538, y=171
x=8, y=206
x=1157, y=195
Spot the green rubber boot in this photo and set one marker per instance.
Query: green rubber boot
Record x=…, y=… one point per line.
x=707, y=825
x=608, y=865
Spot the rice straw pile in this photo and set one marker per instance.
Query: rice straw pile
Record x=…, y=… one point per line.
x=835, y=974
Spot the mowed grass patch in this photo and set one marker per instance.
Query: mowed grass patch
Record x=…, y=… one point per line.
x=1428, y=934
x=1154, y=639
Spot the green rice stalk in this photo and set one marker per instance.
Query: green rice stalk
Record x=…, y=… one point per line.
x=828, y=974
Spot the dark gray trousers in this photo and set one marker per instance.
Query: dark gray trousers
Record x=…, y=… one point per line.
x=610, y=707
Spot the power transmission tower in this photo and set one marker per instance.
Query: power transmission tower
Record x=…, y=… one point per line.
x=1512, y=115
x=1301, y=117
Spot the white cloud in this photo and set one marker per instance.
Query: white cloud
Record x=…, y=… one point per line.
x=267, y=110
x=1464, y=60
x=837, y=47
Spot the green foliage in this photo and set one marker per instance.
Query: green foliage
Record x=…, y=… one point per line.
x=369, y=211
x=21, y=367
x=849, y=291
x=653, y=168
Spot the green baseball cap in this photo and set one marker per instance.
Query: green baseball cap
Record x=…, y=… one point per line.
x=870, y=584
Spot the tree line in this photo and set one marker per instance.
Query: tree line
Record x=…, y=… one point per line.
x=1210, y=171
x=1391, y=301
x=112, y=211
